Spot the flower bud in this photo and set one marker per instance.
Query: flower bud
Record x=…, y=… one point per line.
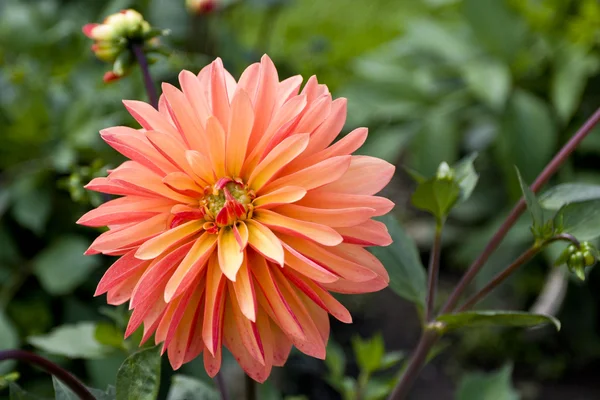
x=444, y=172
x=199, y=7
x=578, y=258
x=115, y=37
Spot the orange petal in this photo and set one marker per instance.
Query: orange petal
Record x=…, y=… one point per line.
x=320, y=297
x=241, y=121
x=218, y=92
x=306, y=266
x=282, y=346
x=121, y=269
x=201, y=166
x=182, y=183
x=350, y=287
x=263, y=240
x=178, y=348
x=191, y=265
x=323, y=199
x=282, y=154
x=124, y=210
x=369, y=233
x=121, y=292
x=363, y=257
x=150, y=119
x=248, y=329
x=237, y=342
x=216, y=145
x=161, y=243
x=312, y=177
x=231, y=255
x=285, y=195
x=319, y=233
x=271, y=297
x=330, y=129
x=196, y=95
x=183, y=116
x=213, y=313
x=158, y=274
x=264, y=99
x=319, y=109
x=366, y=175
x=345, y=268
x=244, y=291
x=341, y=217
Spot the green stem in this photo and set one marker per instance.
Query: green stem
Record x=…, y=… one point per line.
x=73, y=383
x=221, y=386
x=434, y=267
x=250, y=388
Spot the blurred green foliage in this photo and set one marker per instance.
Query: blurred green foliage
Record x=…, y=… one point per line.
x=434, y=80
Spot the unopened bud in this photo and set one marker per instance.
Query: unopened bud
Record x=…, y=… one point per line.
x=199, y=7
x=579, y=258
x=444, y=172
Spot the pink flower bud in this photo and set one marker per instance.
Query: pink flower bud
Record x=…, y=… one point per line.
x=199, y=7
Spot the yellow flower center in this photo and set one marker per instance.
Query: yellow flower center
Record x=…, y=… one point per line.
x=226, y=202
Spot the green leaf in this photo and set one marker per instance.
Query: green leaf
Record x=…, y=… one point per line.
x=487, y=386
x=369, y=352
x=437, y=141
x=527, y=138
x=63, y=392
x=335, y=360
x=187, y=388
x=533, y=205
x=9, y=339
x=402, y=261
x=489, y=80
x=109, y=335
x=61, y=267
x=581, y=220
x=16, y=393
x=72, y=341
x=493, y=24
x=391, y=359
x=571, y=72
x=560, y=195
x=33, y=204
x=436, y=196
x=466, y=176
x=495, y=318
x=139, y=376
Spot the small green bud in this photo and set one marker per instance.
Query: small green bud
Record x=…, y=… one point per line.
x=578, y=258
x=444, y=172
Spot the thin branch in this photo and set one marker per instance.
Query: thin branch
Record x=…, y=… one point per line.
x=434, y=267
x=140, y=56
x=73, y=383
x=221, y=386
x=500, y=277
x=428, y=339
x=250, y=388
x=518, y=209
x=417, y=361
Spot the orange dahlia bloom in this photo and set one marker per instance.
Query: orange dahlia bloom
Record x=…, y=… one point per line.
x=239, y=217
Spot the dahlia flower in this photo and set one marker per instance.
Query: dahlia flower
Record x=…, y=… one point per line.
x=239, y=216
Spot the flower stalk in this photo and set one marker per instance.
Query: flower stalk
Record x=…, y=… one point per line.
x=434, y=267
x=73, y=383
x=429, y=338
x=141, y=59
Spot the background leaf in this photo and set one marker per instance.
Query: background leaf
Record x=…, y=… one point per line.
x=401, y=259
x=73, y=341
x=533, y=205
x=560, y=195
x=9, y=339
x=581, y=220
x=139, y=376
x=487, y=386
x=62, y=267
x=187, y=388
x=495, y=318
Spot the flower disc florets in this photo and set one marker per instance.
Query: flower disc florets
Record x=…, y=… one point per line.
x=227, y=202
